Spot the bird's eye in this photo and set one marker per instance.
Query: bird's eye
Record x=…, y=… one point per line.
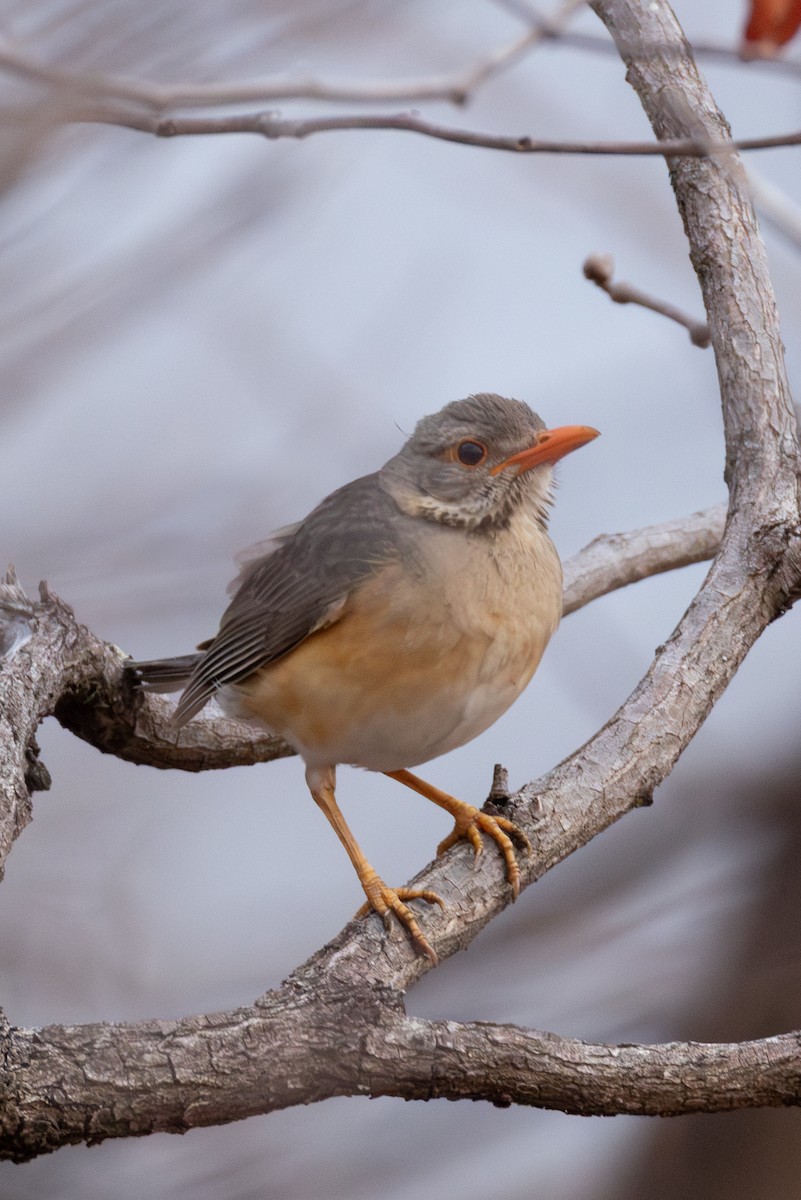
x=470, y=454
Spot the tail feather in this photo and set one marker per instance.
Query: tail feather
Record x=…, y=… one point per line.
x=164, y=674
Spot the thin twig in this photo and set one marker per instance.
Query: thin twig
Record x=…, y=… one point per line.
x=593, y=43
x=274, y=127
x=545, y=29
x=457, y=88
x=600, y=268
x=775, y=207
x=158, y=98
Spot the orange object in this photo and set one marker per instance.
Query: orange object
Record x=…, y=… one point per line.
x=771, y=23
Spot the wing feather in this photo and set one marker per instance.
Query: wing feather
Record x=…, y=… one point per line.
x=299, y=586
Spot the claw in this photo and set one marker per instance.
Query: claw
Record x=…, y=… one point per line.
x=386, y=900
x=470, y=822
x=467, y=823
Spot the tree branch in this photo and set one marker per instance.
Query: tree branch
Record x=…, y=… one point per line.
x=600, y=269
x=509, y=1065
x=172, y=1076
x=274, y=127
x=615, y=560
x=457, y=88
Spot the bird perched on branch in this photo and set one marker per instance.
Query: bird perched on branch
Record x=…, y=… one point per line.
x=399, y=620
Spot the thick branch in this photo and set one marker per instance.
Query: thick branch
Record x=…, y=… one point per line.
x=172, y=1076
x=616, y=559
x=508, y=1065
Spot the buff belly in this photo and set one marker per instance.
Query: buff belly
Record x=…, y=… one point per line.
x=416, y=665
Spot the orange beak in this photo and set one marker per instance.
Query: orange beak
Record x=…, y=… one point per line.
x=550, y=445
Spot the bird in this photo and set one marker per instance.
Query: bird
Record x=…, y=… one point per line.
x=397, y=621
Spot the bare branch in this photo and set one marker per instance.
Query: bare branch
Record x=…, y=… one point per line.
x=616, y=559
x=158, y=98
x=720, y=52
x=456, y=88
x=274, y=127
x=600, y=268
x=99, y=99
x=509, y=1065
x=545, y=29
x=775, y=207
x=172, y=1076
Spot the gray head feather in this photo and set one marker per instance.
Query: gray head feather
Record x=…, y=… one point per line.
x=427, y=479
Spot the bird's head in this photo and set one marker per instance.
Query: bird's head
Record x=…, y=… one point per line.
x=477, y=461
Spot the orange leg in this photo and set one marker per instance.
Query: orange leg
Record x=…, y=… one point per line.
x=383, y=899
x=468, y=821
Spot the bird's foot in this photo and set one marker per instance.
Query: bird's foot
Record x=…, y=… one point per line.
x=386, y=900
x=471, y=822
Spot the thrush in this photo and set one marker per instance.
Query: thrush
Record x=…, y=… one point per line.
x=398, y=620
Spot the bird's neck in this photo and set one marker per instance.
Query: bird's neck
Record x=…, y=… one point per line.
x=529, y=498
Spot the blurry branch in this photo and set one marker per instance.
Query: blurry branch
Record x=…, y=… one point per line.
x=776, y=207
x=87, y=98
x=456, y=88
x=599, y=269
x=337, y=1026
x=273, y=127
x=84, y=685
x=594, y=44
x=545, y=29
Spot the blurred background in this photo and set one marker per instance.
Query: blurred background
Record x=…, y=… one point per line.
x=200, y=338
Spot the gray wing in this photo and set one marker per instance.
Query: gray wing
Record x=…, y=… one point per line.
x=299, y=587
x=248, y=558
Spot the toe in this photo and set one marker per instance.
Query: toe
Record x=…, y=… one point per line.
x=472, y=822
x=387, y=901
